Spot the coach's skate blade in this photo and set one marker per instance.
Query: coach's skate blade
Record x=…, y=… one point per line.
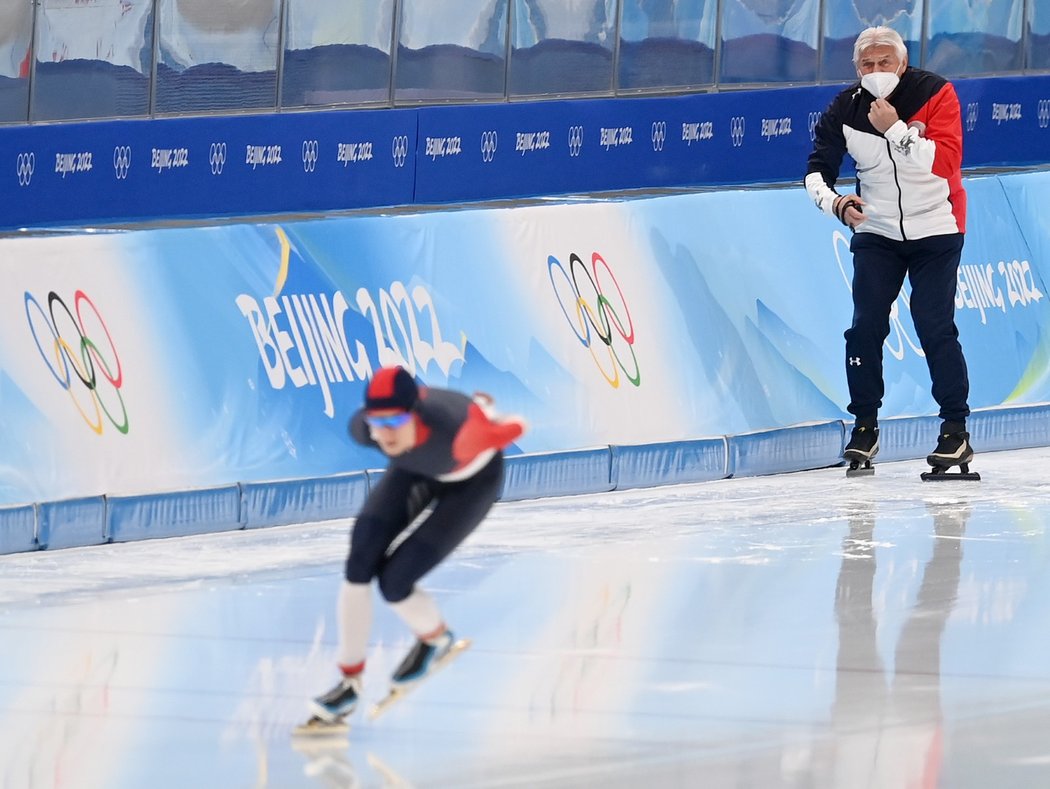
x=317, y=727
x=399, y=692
x=942, y=474
x=857, y=469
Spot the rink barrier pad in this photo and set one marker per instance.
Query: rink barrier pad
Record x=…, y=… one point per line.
x=71, y=523
x=174, y=514
x=18, y=529
x=670, y=463
x=95, y=520
x=298, y=500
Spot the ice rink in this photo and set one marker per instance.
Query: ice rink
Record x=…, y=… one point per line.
x=799, y=630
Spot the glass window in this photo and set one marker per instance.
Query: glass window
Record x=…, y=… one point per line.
x=451, y=49
x=16, y=34
x=767, y=41
x=844, y=21
x=975, y=38
x=1038, y=36
x=217, y=55
x=93, y=59
x=562, y=46
x=336, y=52
x=664, y=43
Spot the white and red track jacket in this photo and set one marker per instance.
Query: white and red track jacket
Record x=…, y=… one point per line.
x=910, y=177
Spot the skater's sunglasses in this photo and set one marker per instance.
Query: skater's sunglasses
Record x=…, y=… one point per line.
x=391, y=421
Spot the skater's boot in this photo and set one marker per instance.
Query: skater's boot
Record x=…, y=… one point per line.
x=953, y=446
x=863, y=443
x=421, y=658
x=340, y=701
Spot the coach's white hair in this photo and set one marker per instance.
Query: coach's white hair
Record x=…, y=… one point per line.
x=876, y=37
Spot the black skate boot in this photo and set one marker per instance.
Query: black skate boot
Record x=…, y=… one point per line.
x=422, y=658
x=862, y=447
x=953, y=449
x=339, y=702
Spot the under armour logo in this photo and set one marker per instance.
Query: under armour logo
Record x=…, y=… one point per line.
x=854, y=361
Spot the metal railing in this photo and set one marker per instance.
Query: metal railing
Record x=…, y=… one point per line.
x=64, y=60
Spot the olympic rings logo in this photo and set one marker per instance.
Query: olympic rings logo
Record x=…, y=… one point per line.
x=309, y=155
x=592, y=311
x=25, y=166
x=489, y=143
x=91, y=359
x=399, y=150
x=736, y=130
x=121, y=161
x=575, y=140
x=972, y=110
x=659, y=135
x=1043, y=113
x=814, y=119
x=217, y=157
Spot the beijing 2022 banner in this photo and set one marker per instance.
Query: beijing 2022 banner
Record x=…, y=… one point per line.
x=163, y=360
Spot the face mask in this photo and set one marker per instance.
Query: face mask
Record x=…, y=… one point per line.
x=879, y=84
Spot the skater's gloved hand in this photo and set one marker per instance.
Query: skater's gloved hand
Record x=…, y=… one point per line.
x=481, y=432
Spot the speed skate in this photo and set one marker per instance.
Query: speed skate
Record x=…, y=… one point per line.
x=399, y=691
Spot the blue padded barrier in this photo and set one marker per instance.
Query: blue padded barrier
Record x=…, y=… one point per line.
x=72, y=523
x=298, y=500
x=996, y=429
x=557, y=474
x=174, y=514
x=675, y=462
x=18, y=529
x=786, y=449
x=904, y=438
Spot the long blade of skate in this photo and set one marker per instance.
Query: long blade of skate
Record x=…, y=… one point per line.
x=399, y=692
x=316, y=727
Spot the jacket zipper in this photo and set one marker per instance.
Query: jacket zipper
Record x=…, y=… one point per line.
x=900, y=193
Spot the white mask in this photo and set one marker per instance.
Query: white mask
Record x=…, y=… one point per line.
x=880, y=84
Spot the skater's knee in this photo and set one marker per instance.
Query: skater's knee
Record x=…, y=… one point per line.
x=357, y=570
x=395, y=587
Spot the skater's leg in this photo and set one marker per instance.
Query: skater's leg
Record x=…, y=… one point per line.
x=354, y=620
x=878, y=273
x=934, y=278
x=460, y=508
